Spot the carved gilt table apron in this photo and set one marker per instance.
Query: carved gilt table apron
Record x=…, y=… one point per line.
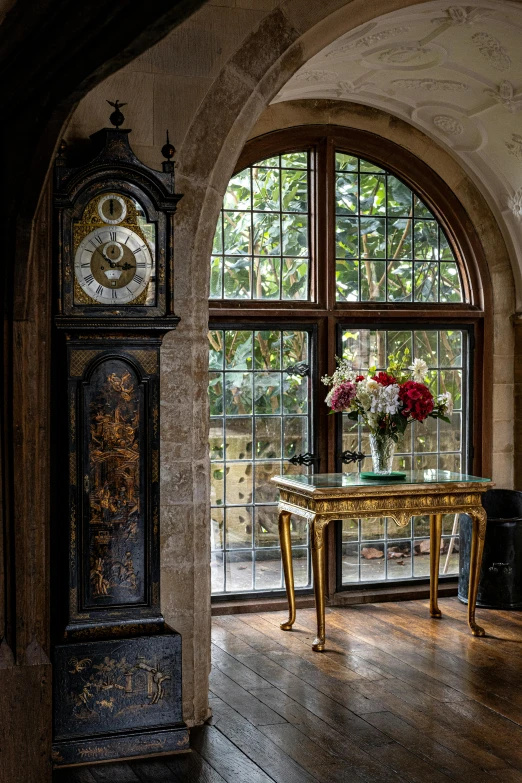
x=323, y=498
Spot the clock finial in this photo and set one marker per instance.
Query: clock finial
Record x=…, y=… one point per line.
x=116, y=117
x=168, y=151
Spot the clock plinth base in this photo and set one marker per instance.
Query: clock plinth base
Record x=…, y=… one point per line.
x=121, y=747
x=118, y=698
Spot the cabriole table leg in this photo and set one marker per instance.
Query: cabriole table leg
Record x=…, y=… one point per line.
x=286, y=555
x=435, y=537
x=318, y=565
x=479, y=519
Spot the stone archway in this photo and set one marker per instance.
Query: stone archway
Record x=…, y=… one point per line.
x=287, y=38
x=242, y=91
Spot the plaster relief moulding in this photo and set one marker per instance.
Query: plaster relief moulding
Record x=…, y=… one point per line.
x=347, y=88
x=316, y=76
x=402, y=54
x=515, y=204
x=409, y=55
x=427, y=85
x=514, y=146
x=492, y=50
x=366, y=42
x=462, y=15
x=505, y=95
x=455, y=128
x=448, y=124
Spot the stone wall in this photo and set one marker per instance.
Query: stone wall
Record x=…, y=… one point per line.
x=209, y=82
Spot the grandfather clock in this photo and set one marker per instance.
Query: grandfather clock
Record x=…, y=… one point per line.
x=117, y=666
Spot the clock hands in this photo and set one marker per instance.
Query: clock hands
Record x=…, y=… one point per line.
x=115, y=264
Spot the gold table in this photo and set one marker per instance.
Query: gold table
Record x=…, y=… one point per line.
x=325, y=497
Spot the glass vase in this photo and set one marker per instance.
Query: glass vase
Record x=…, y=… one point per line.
x=383, y=449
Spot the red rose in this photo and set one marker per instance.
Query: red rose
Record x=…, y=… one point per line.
x=417, y=400
x=384, y=379
x=359, y=378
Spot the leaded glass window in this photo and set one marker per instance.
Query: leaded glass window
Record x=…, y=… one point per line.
x=261, y=416
x=321, y=251
x=376, y=549
x=262, y=242
x=389, y=246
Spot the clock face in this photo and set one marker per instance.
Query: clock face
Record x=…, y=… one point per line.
x=113, y=264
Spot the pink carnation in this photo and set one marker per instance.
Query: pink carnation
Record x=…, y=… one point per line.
x=342, y=396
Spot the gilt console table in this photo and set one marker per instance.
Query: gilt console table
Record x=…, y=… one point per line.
x=323, y=498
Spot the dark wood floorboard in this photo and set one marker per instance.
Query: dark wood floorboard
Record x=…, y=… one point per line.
x=397, y=696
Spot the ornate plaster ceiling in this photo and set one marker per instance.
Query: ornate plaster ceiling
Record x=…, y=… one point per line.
x=453, y=71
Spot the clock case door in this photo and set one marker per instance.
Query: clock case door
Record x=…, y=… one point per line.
x=114, y=169
x=113, y=472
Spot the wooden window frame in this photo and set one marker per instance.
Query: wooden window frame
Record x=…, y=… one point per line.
x=267, y=325
x=326, y=313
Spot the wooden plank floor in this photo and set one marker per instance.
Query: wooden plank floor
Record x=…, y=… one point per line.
x=396, y=697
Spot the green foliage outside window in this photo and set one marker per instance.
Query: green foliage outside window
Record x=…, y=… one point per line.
x=389, y=246
x=261, y=245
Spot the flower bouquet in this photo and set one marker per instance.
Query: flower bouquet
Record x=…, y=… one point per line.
x=386, y=402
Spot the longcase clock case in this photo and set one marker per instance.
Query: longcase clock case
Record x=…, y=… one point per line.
x=117, y=666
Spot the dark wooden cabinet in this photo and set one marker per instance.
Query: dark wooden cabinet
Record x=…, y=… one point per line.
x=116, y=665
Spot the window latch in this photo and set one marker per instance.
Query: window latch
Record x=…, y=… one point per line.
x=303, y=459
x=352, y=456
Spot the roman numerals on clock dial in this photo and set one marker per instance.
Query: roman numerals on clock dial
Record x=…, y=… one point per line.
x=113, y=265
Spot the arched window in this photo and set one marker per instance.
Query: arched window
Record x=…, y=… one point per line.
x=330, y=243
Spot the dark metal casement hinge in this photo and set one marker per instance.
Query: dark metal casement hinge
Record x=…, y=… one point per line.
x=352, y=456
x=303, y=459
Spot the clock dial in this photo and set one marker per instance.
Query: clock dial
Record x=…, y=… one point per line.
x=112, y=209
x=113, y=266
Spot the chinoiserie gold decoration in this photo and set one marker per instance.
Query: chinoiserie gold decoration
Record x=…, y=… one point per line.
x=147, y=359
x=72, y=420
x=73, y=599
x=155, y=465
x=73, y=478
x=80, y=360
x=115, y=683
x=400, y=502
x=113, y=487
x=155, y=413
